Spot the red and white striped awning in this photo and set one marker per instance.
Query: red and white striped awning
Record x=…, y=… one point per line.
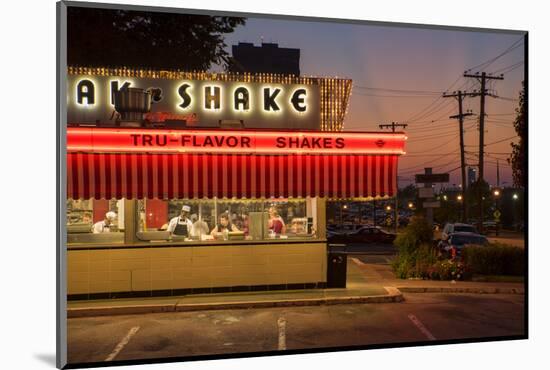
x=173, y=175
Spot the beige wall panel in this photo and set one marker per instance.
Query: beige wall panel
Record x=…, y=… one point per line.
x=94, y=271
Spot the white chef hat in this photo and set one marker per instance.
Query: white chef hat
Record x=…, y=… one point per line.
x=186, y=208
x=110, y=215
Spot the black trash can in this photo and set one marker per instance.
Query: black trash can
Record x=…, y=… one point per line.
x=337, y=265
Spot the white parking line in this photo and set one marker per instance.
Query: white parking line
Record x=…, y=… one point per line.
x=421, y=327
x=122, y=343
x=281, y=323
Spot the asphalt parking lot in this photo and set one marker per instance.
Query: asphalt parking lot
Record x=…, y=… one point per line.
x=421, y=317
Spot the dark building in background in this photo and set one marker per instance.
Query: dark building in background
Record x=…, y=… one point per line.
x=267, y=58
x=472, y=175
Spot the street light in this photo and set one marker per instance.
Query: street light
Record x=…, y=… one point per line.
x=516, y=223
x=388, y=208
x=459, y=198
x=411, y=205
x=444, y=197
x=496, y=193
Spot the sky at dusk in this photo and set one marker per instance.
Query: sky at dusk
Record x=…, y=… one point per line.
x=424, y=60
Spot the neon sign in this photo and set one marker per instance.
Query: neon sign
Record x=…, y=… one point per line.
x=107, y=140
x=210, y=96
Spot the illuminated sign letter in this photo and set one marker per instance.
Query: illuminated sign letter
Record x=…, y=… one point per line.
x=186, y=98
x=212, y=97
x=156, y=94
x=299, y=100
x=114, y=88
x=85, y=90
x=242, y=98
x=269, y=99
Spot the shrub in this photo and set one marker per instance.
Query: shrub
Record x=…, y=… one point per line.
x=449, y=270
x=494, y=259
x=417, y=232
x=415, y=250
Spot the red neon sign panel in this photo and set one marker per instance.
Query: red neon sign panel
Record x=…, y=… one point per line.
x=109, y=140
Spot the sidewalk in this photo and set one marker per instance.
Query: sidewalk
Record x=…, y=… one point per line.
x=382, y=273
x=366, y=283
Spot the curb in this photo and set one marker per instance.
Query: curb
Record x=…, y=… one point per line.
x=393, y=296
x=119, y=310
x=479, y=290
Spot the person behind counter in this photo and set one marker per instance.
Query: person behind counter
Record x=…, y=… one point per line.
x=223, y=225
x=181, y=225
x=276, y=223
x=104, y=226
x=200, y=227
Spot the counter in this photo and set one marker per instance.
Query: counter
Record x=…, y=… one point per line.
x=110, y=270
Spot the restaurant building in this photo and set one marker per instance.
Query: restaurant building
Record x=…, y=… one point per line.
x=247, y=161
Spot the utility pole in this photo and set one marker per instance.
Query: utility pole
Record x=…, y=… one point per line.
x=498, y=175
x=393, y=125
x=482, y=78
x=459, y=95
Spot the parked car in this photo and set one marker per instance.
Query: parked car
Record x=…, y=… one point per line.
x=453, y=245
x=345, y=228
x=456, y=227
x=365, y=234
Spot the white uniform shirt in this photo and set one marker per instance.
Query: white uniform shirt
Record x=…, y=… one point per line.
x=100, y=227
x=177, y=220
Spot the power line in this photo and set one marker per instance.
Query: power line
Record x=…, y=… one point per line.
x=506, y=98
x=394, y=96
x=431, y=155
x=450, y=171
x=509, y=68
x=500, y=141
x=404, y=91
x=487, y=63
x=436, y=136
x=417, y=168
x=437, y=147
x=415, y=115
x=430, y=137
x=428, y=125
x=433, y=128
x=437, y=108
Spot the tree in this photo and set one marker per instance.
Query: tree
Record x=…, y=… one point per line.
x=408, y=192
x=116, y=38
x=517, y=158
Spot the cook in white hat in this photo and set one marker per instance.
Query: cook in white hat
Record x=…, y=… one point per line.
x=104, y=226
x=181, y=225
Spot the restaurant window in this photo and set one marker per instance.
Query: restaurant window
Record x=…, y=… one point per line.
x=238, y=220
x=220, y=220
x=95, y=220
x=291, y=218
